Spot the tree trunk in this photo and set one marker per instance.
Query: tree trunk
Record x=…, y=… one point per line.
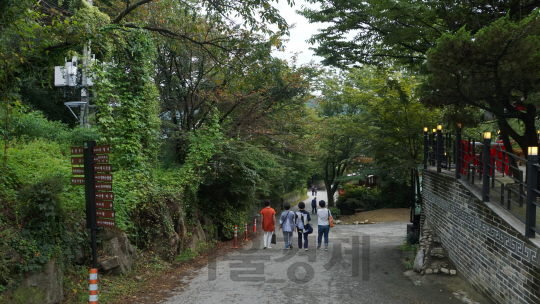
x=330, y=191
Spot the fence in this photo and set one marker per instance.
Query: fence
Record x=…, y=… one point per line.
x=490, y=168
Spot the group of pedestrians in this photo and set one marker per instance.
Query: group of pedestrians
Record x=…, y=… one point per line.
x=299, y=222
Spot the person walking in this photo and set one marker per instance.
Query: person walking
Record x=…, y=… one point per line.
x=324, y=224
x=268, y=220
x=286, y=221
x=302, y=220
x=314, y=206
x=312, y=189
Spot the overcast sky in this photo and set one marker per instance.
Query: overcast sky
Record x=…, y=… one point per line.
x=302, y=32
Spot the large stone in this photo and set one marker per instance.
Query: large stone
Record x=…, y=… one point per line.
x=197, y=237
x=118, y=254
x=437, y=252
x=108, y=264
x=40, y=287
x=418, y=261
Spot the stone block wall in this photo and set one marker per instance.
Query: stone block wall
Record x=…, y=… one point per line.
x=494, y=257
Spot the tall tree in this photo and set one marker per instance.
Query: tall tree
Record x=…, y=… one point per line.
x=402, y=31
x=494, y=69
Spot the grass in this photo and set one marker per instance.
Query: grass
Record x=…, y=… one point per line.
x=113, y=288
x=410, y=250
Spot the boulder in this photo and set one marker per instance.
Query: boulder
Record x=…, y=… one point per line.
x=197, y=237
x=40, y=287
x=418, y=261
x=437, y=252
x=118, y=254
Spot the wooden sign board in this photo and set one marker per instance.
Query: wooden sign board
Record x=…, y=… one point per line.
x=105, y=213
x=102, y=149
x=77, y=170
x=77, y=160
x=106, y=196
x=104, y=205
x=103, y=177
x=105, y=223
x=101, y=159
x=77, y=180
x=77, y=150
x=102, y=168
x=103, y=186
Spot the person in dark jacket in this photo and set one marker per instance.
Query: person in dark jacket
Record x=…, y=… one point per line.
x=302, y=220
x=314, y=206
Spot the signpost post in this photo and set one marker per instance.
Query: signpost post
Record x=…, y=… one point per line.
x=99, y=205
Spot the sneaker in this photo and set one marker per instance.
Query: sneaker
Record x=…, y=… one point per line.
x=325, y=248
x=306, y=249
x=269, y=247
x=286, y=247
x=264, y=247
x=290, y=245
x=319, y=247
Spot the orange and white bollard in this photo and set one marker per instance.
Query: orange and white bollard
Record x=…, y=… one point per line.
x=245, y=231
x=235, y=241
x=255, y=226
x=93, y=286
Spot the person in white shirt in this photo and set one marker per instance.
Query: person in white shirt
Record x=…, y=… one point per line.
x=324, y=224
x=287, y=222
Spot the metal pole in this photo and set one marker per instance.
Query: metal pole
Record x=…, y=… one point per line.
x=458, y=158
x=85, y=95
x=485, y=160
x=90, y=195
x=425, y=148
x=532, y=178
x=439, y=150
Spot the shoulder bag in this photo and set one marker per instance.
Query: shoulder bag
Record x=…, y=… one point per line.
x=330, y=220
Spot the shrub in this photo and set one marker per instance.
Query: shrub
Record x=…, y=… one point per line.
x=334, y=211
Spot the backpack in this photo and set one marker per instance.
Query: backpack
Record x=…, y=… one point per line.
x=300, y=223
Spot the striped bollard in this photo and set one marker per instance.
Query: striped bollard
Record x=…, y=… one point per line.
x=235, y=241
x=245, y=231
x=93, y=286
x=255, y=226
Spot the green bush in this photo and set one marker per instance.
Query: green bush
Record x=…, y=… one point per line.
x=334, y=211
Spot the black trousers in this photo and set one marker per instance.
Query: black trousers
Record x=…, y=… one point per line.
x=300, y=240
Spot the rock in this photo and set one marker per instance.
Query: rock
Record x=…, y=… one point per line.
x=366, y=221
x=429, y=271
x=119, y=248
x=197, y=237
x=108, y=264
x=418, y=261
x=338, y=222
x=40, y=287
x=356, y=223
x=436, y=270
x=436, y=239
x=438, y=252
x=453, y=272
x=80, y=257
x=444, y=270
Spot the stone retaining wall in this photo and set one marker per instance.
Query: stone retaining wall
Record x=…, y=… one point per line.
x=493, y=256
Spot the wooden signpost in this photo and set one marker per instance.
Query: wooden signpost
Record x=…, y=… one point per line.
x=98, y=187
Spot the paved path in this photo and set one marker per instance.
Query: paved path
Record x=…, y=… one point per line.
x=362, y=265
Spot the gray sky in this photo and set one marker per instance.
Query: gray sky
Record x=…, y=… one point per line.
x=302, y=32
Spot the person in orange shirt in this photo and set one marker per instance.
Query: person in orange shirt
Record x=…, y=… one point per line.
x=268, y=220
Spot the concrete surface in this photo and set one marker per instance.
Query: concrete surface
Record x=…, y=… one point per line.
x=372, y=272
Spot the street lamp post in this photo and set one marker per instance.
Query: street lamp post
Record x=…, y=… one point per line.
x=532, y=184
x=425, y=147
x=439, y=147
x=458, y=156
x=485, y=160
